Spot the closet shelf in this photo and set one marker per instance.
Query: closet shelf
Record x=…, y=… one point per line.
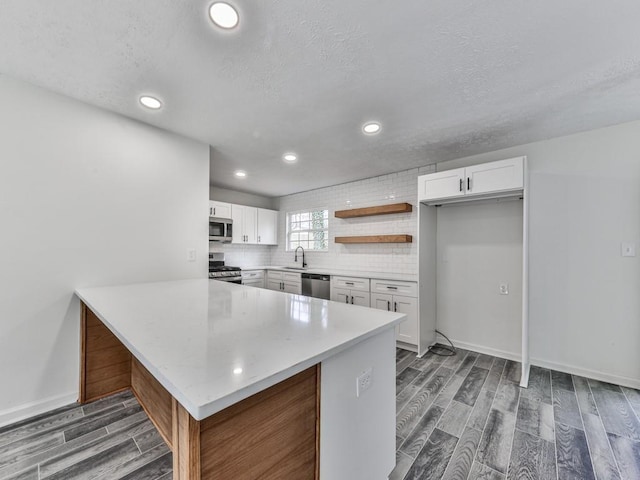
x=377, y=210
x=376, y=239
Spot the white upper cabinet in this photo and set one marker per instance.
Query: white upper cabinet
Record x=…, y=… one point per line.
x=447, y=184
x=219, y=209
x=253, y=225
x=245, y=224
x=485, y=180
x=495, y=176
x=267, y=227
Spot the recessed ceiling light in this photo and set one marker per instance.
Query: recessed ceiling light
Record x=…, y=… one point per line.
x=224, y=15
x=150, y=102
x=240, y=173
x=237, y=371
x=289, y=157
x=371, y=128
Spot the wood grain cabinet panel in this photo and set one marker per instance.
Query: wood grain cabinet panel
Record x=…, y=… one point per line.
x=154, y=398
x=271, y=435
x=105, y=363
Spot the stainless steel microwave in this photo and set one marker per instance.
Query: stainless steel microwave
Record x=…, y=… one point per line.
x=220, y=230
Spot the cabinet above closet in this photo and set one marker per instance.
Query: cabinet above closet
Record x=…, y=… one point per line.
x=503, y=178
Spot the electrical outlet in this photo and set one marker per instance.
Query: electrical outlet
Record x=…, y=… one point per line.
x=504, y=289
x=363, y=382
x=191, y=255
x=628, y=249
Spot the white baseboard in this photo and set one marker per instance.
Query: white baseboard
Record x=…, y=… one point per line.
x=28, y=410
x=584, y=372
x=573, y=370
x=487, y=350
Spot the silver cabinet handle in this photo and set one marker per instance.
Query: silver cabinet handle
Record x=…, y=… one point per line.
x=388, y=305
x=469, y=184
x=352, y=300
x=214, y=210
x=346, y=298
x=258, y=238
x=460, y=184
x=348, y=283
x=392, y=288
x=395, y=306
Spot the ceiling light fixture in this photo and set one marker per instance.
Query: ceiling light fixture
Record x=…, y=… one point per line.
x=224, y=15
x=240, y=173
x=289, y=157
x=237, y=371
x=150, y=102
x=371, y=128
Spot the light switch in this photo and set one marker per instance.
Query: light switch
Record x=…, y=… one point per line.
x=191, y=255
x=628, y=249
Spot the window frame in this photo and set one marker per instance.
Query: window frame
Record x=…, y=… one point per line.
x=289, y=231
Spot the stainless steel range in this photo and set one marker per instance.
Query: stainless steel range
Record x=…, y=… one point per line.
x=219, y=271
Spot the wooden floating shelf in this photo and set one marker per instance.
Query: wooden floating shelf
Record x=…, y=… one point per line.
x=377, y=210
x=376, y=239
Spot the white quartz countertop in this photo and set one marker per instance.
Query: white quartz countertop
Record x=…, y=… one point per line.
x=340, y=273
x=212, y=344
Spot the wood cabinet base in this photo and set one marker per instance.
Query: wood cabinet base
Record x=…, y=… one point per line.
x=273, y=434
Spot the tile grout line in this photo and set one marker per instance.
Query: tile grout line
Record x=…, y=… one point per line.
x=637, y=414
x=513, y=439
x=405, y=439
x=615, y=460
x=584, y=429
x=426, y=411
x=484, y=427
x=555, y=430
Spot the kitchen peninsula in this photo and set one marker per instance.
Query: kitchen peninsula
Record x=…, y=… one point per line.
x=248, y=383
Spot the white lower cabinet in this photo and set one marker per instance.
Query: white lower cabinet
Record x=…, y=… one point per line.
x=407, y=303
x=353, y=297
x=253, y=278
x=288, y=282
x=351, y=290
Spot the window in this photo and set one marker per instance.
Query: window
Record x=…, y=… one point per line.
x=308, y=229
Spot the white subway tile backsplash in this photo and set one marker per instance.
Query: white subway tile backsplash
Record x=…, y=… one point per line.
x=386, y=258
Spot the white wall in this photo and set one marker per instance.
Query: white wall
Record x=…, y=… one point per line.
x=584, y=297
x=87, y=198
x=385, y=258
x=479, y=246
x=241, y=198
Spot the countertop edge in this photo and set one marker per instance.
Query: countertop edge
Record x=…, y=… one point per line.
x=219, y=404
x=338, y=273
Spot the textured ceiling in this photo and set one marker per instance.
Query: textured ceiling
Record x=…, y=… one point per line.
x=446, y=78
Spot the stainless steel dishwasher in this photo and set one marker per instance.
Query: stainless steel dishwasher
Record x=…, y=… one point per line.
x=316, y=285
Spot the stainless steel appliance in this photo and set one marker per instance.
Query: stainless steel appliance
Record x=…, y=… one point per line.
x=219, y=271
x=316, y=285
x=220, y=229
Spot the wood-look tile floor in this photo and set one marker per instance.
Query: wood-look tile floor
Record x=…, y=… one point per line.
x=111, y=438
x=460, y=417
x=465, y=417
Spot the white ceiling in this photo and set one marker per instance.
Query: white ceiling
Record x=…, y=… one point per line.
x=446, y=78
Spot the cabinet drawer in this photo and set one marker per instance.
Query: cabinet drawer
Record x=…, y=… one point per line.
x=290, y=277
x=252, y=274
x=409, y=289
x=274, y=274
x=351, y=283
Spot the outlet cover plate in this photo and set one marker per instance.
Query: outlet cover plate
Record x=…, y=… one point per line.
x=363, y=382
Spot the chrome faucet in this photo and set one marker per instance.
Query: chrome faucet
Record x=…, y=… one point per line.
x=295, y=256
